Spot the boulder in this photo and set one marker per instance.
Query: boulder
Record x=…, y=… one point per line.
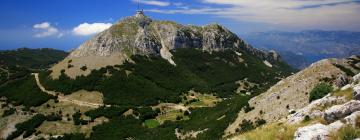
x=356, y=79
x=340, y=111
x=341, y=80
x=352, y=119
x=356, y=94
x=312, y=110
x=313, y=132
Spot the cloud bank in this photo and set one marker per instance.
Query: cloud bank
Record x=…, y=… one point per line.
x=336, y=14
x=86, y=29
x=45, y=30
x=152, y=2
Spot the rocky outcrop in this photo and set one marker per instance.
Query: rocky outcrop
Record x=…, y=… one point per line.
x=314, y=109
x=340, y=111
x=313, y=132
x=320, y=131
x=341, y=80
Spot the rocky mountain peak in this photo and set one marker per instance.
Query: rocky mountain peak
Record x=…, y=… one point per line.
x=141, y=35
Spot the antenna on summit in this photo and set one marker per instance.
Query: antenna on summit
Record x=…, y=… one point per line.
x=138, y=8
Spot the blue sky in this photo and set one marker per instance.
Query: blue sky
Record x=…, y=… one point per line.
x=65, y=24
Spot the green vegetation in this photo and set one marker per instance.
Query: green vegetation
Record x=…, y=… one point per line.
x=108, y=112
x=28, y=127
x=153, y=80
x=347, y=133
x=151, y=123
x=11, y=73
x=9, y=112
x=246, y=125
x=24, y=92
x=31, y=58
x=77, y=119
x=320, y=91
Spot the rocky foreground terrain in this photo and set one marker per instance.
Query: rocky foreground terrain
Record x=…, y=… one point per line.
x=287, y=109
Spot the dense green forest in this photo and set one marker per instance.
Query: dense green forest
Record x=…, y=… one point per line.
x=25, y=92
x=15, y=64
x=32, y=58
x=152, y=80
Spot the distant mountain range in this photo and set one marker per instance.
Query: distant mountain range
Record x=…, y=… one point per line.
x=300, y=49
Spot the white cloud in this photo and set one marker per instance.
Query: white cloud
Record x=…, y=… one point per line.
x=45, y=30
x=153, y=2
x=293, y=13
x=86, y=29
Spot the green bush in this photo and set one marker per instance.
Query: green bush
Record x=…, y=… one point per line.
x=320, y=91
x=77, y=119
x=246, y=125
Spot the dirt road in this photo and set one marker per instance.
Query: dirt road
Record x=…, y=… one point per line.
x=63, y=98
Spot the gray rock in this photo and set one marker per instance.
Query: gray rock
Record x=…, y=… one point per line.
x=341, y=80
x=312, y=111
x=340, y=111
x=356, y=93
x=313, y=132
x=356, y=79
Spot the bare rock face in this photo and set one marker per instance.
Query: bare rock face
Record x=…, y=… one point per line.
x=322, y=132
x=140, y=35
x=313, y=132
x=340, y=111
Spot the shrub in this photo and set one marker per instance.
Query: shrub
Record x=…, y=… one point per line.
x=70, y=66
x=77, y=119
x=260, y=122
x=247, y=108
x=320, y=91
x=306, y=118
x=83, y=68
x=246, y=125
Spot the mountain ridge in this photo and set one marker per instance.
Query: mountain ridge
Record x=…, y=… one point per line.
x=140, y=35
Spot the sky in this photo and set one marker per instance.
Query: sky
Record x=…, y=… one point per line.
x=65, y=24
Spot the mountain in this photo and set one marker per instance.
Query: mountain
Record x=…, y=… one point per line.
x=300, y=49
x=143, y=79
x=140, y=35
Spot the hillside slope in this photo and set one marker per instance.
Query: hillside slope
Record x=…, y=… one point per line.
x=292, y=96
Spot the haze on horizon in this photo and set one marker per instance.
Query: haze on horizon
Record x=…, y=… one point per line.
x=65, y=24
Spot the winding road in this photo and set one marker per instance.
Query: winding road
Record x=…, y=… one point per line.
x=63, y=98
